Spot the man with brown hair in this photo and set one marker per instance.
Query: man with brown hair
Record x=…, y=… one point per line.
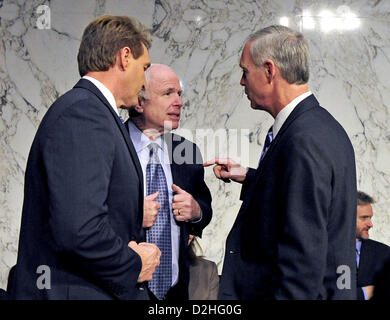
x=371, y=255
x=81, y=233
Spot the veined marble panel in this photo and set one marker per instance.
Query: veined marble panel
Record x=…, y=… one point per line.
x=202, y=41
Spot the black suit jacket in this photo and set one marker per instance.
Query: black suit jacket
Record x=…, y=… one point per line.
x=188, y=173
x=382, y=283
x=373, y=255
x=83, y=203
x=296, y=225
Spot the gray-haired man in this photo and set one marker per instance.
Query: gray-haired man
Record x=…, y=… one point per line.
x=294, y=236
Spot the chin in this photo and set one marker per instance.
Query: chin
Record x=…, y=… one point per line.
x=171, y=125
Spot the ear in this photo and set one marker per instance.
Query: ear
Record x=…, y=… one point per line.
x=140, y=107
x=125, y=57
x=270, y=69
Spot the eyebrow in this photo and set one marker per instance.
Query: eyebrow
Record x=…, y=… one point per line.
x=170, y=90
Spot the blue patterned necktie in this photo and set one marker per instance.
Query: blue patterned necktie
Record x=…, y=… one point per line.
x=121, y=119
x=268, y=140
x=160, y=232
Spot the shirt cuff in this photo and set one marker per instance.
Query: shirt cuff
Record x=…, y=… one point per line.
x=197, y=220
x=365, y=293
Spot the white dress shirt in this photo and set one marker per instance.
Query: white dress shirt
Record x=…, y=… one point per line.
x=141, y=142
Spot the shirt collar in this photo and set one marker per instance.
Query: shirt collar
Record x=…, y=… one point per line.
x=286, y=111
x=105, y=92
x=139, y=139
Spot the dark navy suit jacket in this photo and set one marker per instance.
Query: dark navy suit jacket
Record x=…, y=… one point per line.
x=296, y=227
x=83, y=203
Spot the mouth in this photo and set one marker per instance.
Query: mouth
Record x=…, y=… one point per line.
x=174, y=116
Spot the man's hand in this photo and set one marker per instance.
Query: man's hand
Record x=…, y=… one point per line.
x=150, y=256
x=184, y=206
x=150, y=210
x=227, y=169
x=369, y=291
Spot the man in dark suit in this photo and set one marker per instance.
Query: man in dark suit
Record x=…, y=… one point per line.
x=81, y=232
x=371, y=255
x=294, y=235
x=182, y=203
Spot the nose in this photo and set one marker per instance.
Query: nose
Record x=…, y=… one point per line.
x=178, y=101
x=242, y=81
x=370, y=225
x=143, y=81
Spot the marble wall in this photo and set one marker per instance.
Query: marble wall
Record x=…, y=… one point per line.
x=201, y=40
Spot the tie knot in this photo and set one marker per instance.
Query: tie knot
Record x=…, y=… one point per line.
x=153, y=149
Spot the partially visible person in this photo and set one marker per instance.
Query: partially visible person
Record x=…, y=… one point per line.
x=204, y=279
x=81, y=233
x=297, y=221
x=370, y=254
x=177, y=199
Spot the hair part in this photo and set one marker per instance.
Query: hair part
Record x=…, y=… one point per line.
x=286, y=47
x=364, y=199
x=105, y=36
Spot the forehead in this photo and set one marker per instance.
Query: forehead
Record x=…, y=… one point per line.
x=246, y=59
x=164, y=81
x=365, y=210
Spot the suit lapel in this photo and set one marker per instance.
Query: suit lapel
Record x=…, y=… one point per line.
x=177, y=176
x=171, y=145
x=305, y=105
x=86, y=84
x=365, y=257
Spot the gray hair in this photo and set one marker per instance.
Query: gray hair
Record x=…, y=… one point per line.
x=286, y=47
x=364, y=199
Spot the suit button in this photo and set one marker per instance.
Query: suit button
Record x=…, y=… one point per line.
x=142, y=288
x=231, y=251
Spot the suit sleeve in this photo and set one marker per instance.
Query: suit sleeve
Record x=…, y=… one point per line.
x=79, y=156
x=250, y=177
x=302, y=250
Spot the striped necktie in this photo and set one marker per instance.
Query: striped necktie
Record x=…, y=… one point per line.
x=267, y=143
x=160, y=232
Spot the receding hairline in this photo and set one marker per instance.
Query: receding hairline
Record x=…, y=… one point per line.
x=155, y=70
